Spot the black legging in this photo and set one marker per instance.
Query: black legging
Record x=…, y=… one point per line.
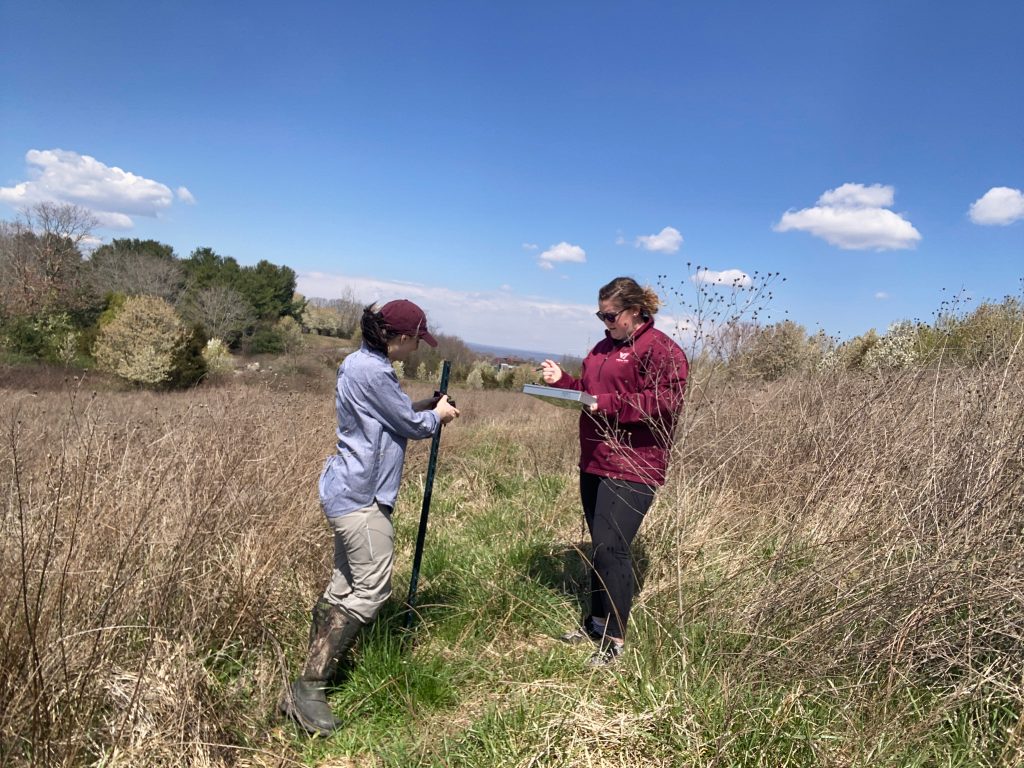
x=613, y=510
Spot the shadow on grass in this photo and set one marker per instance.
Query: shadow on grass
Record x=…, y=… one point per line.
x=565, y=568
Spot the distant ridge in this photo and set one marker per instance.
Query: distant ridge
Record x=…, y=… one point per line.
x=523, y=354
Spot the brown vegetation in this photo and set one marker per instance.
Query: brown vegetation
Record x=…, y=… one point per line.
x=849, y=534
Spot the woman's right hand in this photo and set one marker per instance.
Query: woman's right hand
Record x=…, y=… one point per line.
x=445, y=410
x=550, y=371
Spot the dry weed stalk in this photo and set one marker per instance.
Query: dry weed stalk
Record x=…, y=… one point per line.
x=857, y=528
x=159, y=551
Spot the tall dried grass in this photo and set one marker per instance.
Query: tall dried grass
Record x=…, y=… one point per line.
x=860, y=531
x=145, y=537
x=158, y=552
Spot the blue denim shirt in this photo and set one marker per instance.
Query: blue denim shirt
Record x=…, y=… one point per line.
x=375, y=420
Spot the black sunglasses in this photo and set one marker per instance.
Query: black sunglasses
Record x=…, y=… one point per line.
x=609, y=317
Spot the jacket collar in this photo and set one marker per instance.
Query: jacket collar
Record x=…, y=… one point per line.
x=640, y=331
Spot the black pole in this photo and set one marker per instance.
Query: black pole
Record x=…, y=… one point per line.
x=428, y=490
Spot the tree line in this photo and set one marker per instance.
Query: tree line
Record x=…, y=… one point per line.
x=58, y=304
x=136, y=309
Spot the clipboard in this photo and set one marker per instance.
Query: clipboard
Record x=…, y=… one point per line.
x=565, y=398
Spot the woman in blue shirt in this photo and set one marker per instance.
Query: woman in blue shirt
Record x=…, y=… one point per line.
x=358, y=487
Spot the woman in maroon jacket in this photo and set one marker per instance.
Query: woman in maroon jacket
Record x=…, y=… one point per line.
x=638, y=375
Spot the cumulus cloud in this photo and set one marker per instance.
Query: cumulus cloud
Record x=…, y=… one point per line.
x=112, y=220
x=562, y=252
x=859, y=196
x=499, y=317
x=881, y=295
x=666, y=241
x=112, y=194
x=185, y=196
x=854, y=217
x=998, y=206
x=731, y=277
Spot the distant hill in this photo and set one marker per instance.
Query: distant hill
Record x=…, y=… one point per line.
x=523, y=354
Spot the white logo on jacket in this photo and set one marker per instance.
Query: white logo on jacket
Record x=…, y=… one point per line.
x=624, y=356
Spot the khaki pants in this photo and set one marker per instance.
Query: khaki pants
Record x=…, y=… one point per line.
x=364, y=553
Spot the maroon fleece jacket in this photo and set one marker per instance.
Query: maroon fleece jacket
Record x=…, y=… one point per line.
x=639, y=384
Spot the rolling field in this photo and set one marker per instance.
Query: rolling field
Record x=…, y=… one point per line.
x=833, y=576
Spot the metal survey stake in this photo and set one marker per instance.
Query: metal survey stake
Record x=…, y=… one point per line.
x=428, y=490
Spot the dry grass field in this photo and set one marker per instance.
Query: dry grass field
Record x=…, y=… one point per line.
x=834, y=576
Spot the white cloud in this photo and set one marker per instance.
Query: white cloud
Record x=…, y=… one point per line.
x=111, y=220
x=854, y=217
x=185, y=196
x=530, y=246
x=1000, y=205
x=881, y=295
x=499, y=317
x=666, y=241
x=859, y=196
x=731, y=277
x=562, y=252
x=90, y=243
x=112, y=194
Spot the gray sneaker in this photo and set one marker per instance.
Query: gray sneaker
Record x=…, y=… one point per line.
x=585, y=633
x=607, y=654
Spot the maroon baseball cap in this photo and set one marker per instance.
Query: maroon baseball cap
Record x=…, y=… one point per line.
x=402, y=316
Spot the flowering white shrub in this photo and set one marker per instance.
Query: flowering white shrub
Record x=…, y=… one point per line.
x=217, y=357
x=399, y=367
x=141, y=342
x=475, y=379
x=830, y=361
x=897, y=350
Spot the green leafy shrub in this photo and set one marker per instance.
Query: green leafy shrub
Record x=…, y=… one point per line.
x=188, y=367
x=265, y=340
x=481, y=375
x=23, y=336
x=50, y=336
x=852, y=353
x=289, y=331
x=988, y=334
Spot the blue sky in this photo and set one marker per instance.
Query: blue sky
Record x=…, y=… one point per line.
x=498, y=163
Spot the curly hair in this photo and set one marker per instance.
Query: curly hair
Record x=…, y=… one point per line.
x=628, y=293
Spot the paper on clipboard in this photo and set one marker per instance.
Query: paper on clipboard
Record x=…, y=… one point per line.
x=566, y=398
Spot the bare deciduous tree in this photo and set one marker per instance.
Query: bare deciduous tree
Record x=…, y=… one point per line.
x=128, y=267
x=41, y=259
x=222, y=311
